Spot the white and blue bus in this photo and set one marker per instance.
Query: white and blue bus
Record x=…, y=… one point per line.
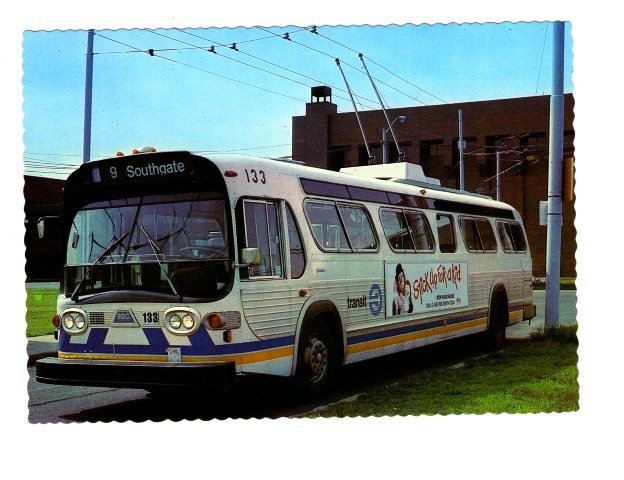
x=182, y=270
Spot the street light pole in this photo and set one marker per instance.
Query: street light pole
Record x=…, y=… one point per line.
x=384, y=138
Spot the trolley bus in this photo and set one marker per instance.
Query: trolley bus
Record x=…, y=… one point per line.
x=183, y=271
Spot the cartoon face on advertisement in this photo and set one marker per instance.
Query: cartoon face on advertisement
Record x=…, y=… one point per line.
x=417, y=288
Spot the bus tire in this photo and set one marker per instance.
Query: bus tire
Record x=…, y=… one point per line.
x=497, y=325
x=317, y=359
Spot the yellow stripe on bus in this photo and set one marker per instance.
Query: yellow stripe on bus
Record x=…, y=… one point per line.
x=241, y=358
x=407, y=337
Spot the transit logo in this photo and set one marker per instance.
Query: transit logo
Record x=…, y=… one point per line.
x=375, y=299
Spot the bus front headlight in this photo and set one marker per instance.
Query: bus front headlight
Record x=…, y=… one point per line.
x=188, y=321
x=174, y=321
x=74, y=321
x=182, y=320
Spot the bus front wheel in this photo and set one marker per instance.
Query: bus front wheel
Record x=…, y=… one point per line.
x=317, y=358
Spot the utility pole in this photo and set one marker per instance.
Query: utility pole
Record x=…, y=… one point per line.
x=460, y=145
x=553, y=239
x=86, y=146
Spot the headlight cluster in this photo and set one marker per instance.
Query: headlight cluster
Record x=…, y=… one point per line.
x=74, y=321
x=182, y=321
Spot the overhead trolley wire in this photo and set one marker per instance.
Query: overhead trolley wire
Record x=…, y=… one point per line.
x=152, y=53
x=315, y=31
x=275, y=64
x=345, y=63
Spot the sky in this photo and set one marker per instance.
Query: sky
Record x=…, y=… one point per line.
x=46, y=118
x=184, y=97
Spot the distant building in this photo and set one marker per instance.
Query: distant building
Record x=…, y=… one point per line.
x=43, y=197
x=516, y=127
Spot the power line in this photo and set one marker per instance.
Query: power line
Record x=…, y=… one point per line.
x=343, y=62
x=541, y=59
x=277, y=65
x=153, y=54
x=379, y=65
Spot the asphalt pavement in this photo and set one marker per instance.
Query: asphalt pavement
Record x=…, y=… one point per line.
x=46, y=345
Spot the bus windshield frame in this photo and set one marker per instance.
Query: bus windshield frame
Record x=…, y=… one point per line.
x=177, y=233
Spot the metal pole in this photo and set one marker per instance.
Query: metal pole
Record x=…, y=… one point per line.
x=86, y=146
x=461, y=151
x=384, y=146
x=498, y=176
x=371, y=159
x=383, y=109
x=553, y=239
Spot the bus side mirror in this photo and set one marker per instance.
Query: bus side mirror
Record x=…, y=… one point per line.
x=41, y=227
x=251, y=257
x=41, y=224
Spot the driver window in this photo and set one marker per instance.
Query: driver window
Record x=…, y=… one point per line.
x=262, y=230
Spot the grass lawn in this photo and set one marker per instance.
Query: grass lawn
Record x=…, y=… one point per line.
x=40, y=308
x=527, y=376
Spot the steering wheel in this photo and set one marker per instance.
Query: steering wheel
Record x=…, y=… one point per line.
x=202, y=252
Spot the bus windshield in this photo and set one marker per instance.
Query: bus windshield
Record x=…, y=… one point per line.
x=174, y=243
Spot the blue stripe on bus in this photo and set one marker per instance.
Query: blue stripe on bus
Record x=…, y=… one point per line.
x=367, y=337
x=201, y=344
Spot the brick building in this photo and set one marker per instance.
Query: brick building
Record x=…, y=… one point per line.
x=517, y=128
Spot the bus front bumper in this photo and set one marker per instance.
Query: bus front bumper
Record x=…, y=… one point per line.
x=125, y=374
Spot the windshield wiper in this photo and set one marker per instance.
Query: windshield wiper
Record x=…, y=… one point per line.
x=153, y=245
x=107, y=250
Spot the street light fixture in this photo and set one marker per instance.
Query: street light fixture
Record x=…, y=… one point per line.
x=384, y=141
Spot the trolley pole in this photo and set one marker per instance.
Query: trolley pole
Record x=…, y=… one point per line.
x=86, y=146
x=498, y=196
x=460, y=145
x=553, y=240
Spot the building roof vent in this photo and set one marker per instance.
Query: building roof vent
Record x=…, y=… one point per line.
x=319, y=93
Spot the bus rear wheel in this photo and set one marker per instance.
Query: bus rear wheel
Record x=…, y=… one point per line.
x=317, y=359
x=497, y=325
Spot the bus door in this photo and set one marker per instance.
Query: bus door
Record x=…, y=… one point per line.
x=270, y=291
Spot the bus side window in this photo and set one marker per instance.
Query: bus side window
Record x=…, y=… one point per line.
x=396, y=230
x=504, y=236
x=358, y=227
x=326, y=226
x=297, y=256
x=421, y=233
x=446, y=233
x=488, y=240
x=517, y=235
x=470, y=234
x=262, y=230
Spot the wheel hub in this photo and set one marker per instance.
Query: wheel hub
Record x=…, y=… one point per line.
x=316, y=359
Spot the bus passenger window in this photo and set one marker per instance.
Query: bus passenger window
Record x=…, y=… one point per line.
x=326, y=226
x=504, y=236
x=421, y=233
x=470, y=234
x=297, y=257
x=446, y=233
x=358, y=227
x=262, y=230
x=488, y=241
x=517, y=236
x=396, y=229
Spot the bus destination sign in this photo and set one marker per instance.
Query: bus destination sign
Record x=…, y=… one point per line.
x=139, y=169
